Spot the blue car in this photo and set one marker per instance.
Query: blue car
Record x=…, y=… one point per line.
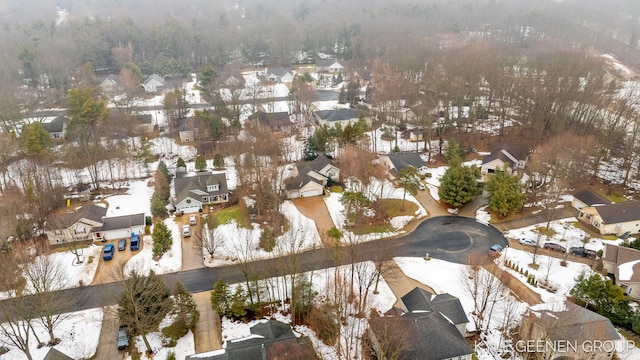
x=107, y=252
x=135, y=242
x=122, y=244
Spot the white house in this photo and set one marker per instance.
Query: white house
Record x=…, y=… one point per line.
x=310, y=177
x=154, y=84
x=505, y=156
x=193, y=192
x=329, y=65
x=617, y=219
x=399, y=161
x=342, y=116
x=279, y=75
x=57, y=127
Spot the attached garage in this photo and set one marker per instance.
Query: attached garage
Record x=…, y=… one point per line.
x=311, y=189
x=189, y=205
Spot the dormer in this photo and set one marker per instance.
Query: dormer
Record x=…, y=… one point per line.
x=213, y=187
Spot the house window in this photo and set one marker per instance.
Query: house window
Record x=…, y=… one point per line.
x=80, y=231
x=214, y=187
x=332, y=173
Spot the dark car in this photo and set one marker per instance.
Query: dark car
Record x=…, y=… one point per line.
x=122, y=244
x=123, y=337
x=107, y=252
x=581, y=251
x=135, y=242
x=555, y=247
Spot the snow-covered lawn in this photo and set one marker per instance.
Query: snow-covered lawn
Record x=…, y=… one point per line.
x=136, y=200
x=79, y=332
x=170, y=261
x=243, y=244
x=184, y=346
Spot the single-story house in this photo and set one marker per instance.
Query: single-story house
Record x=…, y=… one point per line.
x=430, y=327
x=619, y=219
x=624, y=263
x=342, y=116
x=586, y=198
x=279, y=75
x=192, y=192
x=567, y=323
x=329, y=65
x=310, y=177
x=505, y=156
x=90, y=222
x=398, y=161
x=277, y=122
x=145, y=122
x=56, y=127
x=268, y=340
x=154, y=84
x=111, y=84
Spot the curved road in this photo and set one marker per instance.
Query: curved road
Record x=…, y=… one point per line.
x=450, y=238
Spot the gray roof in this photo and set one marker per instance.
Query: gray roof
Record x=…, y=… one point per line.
x=403, y=160
x=144, y=118
x=619, y=212
x=121, y=222
x=272, y=340
x=304, y=167
x=422, y=300
x=279, y=72
x=327, y=62
x=337, y=115
x=112, y=77
x=90, y=212
x=620, y=255
x=56, y=124
x=591, y=198
x=431, y=335
x=155, y=77
x=273, y=120
x=55, y=354
x=520, y=152
x=188, y=186
x=569, y=322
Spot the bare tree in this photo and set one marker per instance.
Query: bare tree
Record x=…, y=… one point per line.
x=485, y=289
x=209, y=240
x=389, y=337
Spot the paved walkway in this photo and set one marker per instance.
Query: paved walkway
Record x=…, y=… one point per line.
x=430, y=204
x=208, y=331
x=401, y=284
x=315, y=209
x=517, y=287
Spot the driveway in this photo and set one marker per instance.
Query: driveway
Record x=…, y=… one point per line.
x=108, y=343
x=111, y=270
x=315, y=209
x=208, y=331
x=191, y=254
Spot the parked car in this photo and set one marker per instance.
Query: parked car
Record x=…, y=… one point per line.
x=193, y=220
x=527, y=242
x=135, y=242
x=581, y=251
x=495, y=248
x=555, y=247
x=122, y=244
x=421, y=186
x=123, y=337
x=107, y=252
x=186, y=231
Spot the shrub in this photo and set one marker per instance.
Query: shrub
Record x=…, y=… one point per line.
x=267, y=240
x=171, y=355
x=324, y=321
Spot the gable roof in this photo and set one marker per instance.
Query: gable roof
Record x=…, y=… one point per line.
x=121, y=222
x=279, y=72
x=328, y=62
x=56, y=124
x=507, y=152
x=422, y=300
x=569, y=322
x=90, y=212
x=271, y=119
x=111, y=78
x=619, y=212
x=306, y=167
x=432, y=336
x=196, y=186
x=154, y=77
x=626, y=260
x=403, y=160
x=55, y=354
x=591, y=198
x=337, y=115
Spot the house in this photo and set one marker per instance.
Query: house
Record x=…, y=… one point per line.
x=505, y=156
x=187, y=129
x=111, y=84
x=154, y=84
x=624, y=263
x=398, y=161
x=145, y=122
x=332, y=66
x=277, y=122
x=569, y=324
x=310, y=177
x=192, y=192
x=55, y=354
x=270, y=340
x=90, y=222
x=586, y=198
x=279, y=75
x=432, y=327
x=57, y=127
x=342, y=116
x=619, y=219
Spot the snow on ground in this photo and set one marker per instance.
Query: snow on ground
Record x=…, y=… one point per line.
x=136, y=200
x=184, y=346
x=433, y=182
x=482, y=215
x=560, y=277
x=322, y=284
x=243, y=244
x=170, y=261
x=168, y=148
x=566, y=234
x=73, y=330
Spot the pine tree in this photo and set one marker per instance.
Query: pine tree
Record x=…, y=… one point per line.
x=162, y=239
x=218, y=161
x=459, y=185
x=185, y=309
x=220, y=297
x=505, y=193
x=201, y=163
x=181, y=163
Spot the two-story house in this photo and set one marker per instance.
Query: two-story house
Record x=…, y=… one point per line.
x=309, y=178
x=204, y=188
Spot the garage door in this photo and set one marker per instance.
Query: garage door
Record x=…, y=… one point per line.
x=309, y=193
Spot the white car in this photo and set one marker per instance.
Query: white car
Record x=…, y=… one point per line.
x=186, y=231
x=527, y=242
x=421, y=186
x=192, y=219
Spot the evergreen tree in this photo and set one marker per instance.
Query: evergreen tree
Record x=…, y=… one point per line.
x=162, y=239
x=185, y=310
x=602, y=296
x=35, y=140
x=143, y=304
x=460, y=184
x=220, y=297
x=181, y=163
x=454, y=153
x=505, y=193
x=201, y=163
x=218, y=161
